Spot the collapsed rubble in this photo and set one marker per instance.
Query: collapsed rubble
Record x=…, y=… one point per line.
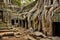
x=23, y=34
x=36, y=36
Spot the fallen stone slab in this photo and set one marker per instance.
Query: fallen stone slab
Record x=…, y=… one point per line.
x=38, y=34
x=45, y=39
x=38, y=38
x=4, y=30
x=17, y=36
x=18, y=33
x=29, y=37
x=30, y=30
x=6, y=34
x=9, y=30
x=5, y=38
x=13, y=29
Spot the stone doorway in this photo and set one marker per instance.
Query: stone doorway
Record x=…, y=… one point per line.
x=12, y=22
x=1, y=15
x=56, y=28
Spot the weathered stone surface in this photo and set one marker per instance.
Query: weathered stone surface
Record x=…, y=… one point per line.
x=26, y=37
x=17, y=36
x=30, y=30
x=13, y=29
x=7, y=34
x=45, y=39
x=18, y=33
x=5, y=38
x=29, y=37
x=38, y=34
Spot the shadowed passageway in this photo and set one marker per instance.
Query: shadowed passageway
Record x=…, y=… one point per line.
x=56, y=28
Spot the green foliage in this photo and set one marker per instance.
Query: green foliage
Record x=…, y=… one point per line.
x=27, y=2
x=56, y=17
x=16, y=2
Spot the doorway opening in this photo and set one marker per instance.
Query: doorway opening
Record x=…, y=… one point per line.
x=1, y=15
x=16, y=21
x=12, y=22
x=56, y=28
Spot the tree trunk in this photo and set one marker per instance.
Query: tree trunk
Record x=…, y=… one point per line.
x=45, y=9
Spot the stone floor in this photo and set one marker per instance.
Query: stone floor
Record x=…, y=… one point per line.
x=24, y=36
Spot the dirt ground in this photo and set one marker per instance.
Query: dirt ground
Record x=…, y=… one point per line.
x=23, y=36
x=20, y=30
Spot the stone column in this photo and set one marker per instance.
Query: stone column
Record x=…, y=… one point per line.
x=18, y=22
x=21, y=23
x=8, y=20
x=39, y=26
x=25, y=24
x=29, y=24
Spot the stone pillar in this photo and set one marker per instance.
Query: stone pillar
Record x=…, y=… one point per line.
x=34, y=24
x=18, y=22
x=8, y=19
x=29, y=24
x=39, y=26
x=26, y=24
x=10, y=22
x=21, y=23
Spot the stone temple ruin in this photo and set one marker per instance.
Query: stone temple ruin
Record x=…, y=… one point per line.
x=10, y=17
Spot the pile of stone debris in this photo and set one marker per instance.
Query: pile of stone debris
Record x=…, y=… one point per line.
x=36, y=35
x=22, y=34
